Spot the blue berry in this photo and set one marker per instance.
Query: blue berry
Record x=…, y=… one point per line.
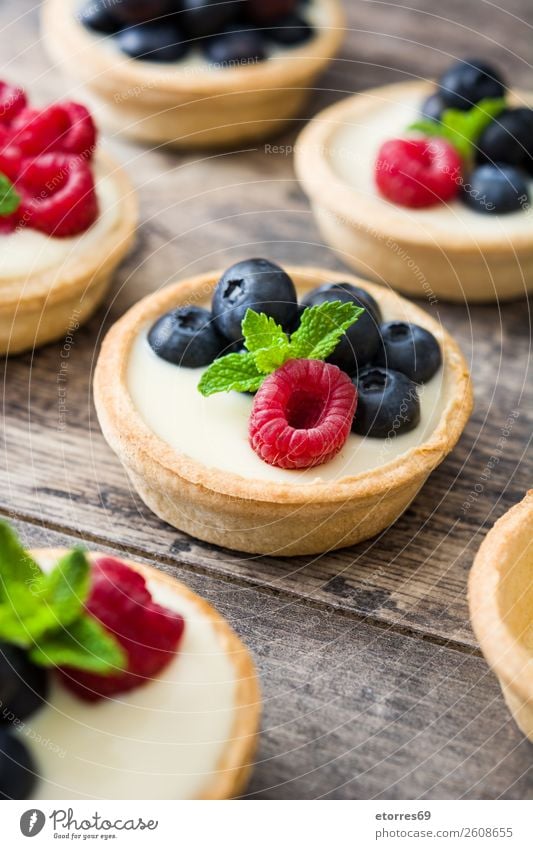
x=186, y=336
x=97, y=16
x=387, y=403
x=509, y=139
x=360, y=343
x=496, y=189
x=23, y=685
x=408, y=348
x=235, y=45
x=140, y=11
x=152, y=42
x=255, y=284
x=290, y=30
x=17, y=768
x=432, y=107
x=467, y=82
x=201, y=18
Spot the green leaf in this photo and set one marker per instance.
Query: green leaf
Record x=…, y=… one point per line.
x=261, y=331
x=84, y=644
x=16, y=565
x=235, y=371
x=321, y=329
x=66, y=588
x=462, y=128
x=9, y=198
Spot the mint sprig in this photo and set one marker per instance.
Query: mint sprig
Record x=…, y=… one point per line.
x=45, y=613
x=462, y=128
x=269, y=347
x=9, y=198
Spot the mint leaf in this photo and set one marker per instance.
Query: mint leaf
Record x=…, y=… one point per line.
x=235, y=371
x=462, y=128
x=261, y=331
x=84, y=644
x=9, y=198
x=66, y=588
x=16, y=565
x=321, y=329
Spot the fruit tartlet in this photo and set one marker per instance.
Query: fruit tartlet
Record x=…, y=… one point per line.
x=67, y=217
x=298, y=412
x=428, y=187
x=501, y=607
x=194, y=73
x=117, y=682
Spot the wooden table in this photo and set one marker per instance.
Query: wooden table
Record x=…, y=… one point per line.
x=373, y=684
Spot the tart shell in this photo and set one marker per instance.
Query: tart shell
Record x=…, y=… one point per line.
x=371, y=236
x=251, y=515
x=190, y=107
x=500, y=595
x=45, y=306
x=235, y=763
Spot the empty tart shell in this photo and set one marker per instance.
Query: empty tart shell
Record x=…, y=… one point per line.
x=234, y=765
x=258, y=516
x=190, y=106
x=383, y=240
x=44, y=306
x=501, y=607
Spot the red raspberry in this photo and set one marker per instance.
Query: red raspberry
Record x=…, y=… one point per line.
x=66, y=127
x=149, y=633
x=11, y=159
x=80, y=138
x=58, y=195
x=302, y=414
x=418, y=172
x=12, y=101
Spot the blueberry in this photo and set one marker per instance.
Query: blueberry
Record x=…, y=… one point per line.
x=262, y=12
x=23, y=685
x=186, y=337
x=360, y=343
x=97, y=16
x=496, y=189
x=343, y=292
x=289, y=31
x=387, y=403
x=17, y=768
x=469, y=81
x=235, y=45
x=255, y=284
x=201, y=18
x=509, y=139
x=432, y=107
x=141, y=11
x=408, y=348
x=157, y=42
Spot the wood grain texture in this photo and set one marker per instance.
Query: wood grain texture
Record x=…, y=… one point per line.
x=389, y=618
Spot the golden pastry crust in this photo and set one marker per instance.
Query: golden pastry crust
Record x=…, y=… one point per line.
x=500, y=593
x=257, y=516
x=190, y=107
x=236, y=761
x=41, y=308
x=371, y=235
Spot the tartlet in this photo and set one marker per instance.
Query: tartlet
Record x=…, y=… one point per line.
x=501, y=607
x=425, y=252
x=233, y=764
x=255, y=515
x=184, y=107
x=40, y=306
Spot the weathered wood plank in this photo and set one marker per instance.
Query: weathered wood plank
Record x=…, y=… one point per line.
x=354, y=711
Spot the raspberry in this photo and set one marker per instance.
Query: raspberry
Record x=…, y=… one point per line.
x=12, y=101
x=66, y=127
x=302, y=414
x=149, y=633
x=80, y=137
x=11, y=159
x=418, y=172
x=58, y=195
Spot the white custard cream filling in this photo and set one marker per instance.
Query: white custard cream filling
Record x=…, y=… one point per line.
x=214, y=430
x=25, y=251
x=352, y=152
x=161, y=741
